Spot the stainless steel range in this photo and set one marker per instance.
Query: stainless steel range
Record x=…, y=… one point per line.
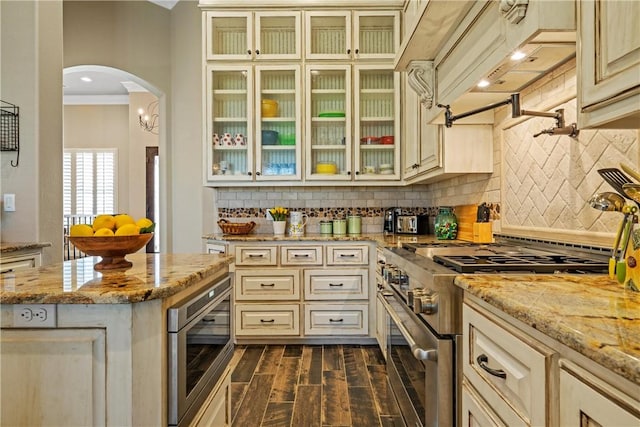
x=425, y=315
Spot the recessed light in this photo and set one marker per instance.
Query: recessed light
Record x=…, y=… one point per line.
x=518, y=55
x=86, y=79
x=483, y=83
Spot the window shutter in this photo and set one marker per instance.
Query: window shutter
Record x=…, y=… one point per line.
x=89, y=181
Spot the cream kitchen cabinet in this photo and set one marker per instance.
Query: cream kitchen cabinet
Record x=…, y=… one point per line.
x=508, y=370
x=216, y=410
x=608, y=64
x=445, y=152
x=345, y=35
x=19, y=261
x=246, y=36
x=243, y=144
x=586, y=401
x=347, y=140
x=307, y=291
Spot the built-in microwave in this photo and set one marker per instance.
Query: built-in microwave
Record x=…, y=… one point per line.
x=200, y=348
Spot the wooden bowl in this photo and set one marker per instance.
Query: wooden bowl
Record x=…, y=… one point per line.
x=112, y=249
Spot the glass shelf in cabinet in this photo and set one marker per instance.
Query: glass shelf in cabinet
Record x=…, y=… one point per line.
x=230, y=119
x=230, y=147
x=328, y=146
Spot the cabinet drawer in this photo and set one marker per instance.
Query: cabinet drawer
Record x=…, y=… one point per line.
x=347, y=255
x=475, y=411
x=519, y=374
x=336, y=284
x=256, y=255
x=301, y=255
x=340, y=319
x=265, y=284
x=267, y=319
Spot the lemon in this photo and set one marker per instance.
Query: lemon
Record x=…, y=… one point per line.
x=123, y=219
x=128, y=230
x=103, y=232
x=104, y=221
x=81, y=230
x=146, y=225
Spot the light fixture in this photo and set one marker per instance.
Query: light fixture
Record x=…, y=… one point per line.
x=483, y=83
x=149, y=120
x=86, y=79
x=518, y=55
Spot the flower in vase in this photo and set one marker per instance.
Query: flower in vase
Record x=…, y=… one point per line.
x=279, y=213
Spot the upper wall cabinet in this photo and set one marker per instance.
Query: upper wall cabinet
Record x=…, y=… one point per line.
x=245, y=36
x=609, y=64
x=346, y=35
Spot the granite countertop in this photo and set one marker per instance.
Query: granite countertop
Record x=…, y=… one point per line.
x=591, y=314
x=152, y=276
x=384, y=240
x=8, y=247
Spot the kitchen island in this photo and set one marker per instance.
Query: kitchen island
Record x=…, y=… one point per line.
x=585, y=329
x=81, y=347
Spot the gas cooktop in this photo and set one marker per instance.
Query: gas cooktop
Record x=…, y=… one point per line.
x=496, y=258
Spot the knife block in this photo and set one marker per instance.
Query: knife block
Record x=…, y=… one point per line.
x=482, y=232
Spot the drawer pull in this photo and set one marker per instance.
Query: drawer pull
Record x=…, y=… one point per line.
x=347, y=255
x=482, y=360
x=267, y=285
x=301, y=255
x=256, y=255
x=267, y=321
x=336, y=320
x=336, y=284
x=208, y=320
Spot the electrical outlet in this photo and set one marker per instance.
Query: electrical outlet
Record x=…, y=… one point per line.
x=34, y=315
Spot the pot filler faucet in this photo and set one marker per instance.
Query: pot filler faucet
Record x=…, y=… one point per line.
x=559, y=129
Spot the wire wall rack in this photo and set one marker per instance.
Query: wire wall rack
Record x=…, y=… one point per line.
x=10, y=129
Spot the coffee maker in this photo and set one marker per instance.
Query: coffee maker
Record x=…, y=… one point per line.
x=389, y=221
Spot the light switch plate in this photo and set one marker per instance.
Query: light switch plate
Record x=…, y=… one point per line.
x=9, y=202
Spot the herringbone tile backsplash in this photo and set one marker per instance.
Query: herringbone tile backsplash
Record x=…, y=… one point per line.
x=548, y=180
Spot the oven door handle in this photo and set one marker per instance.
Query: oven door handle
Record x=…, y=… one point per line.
x=417, y=351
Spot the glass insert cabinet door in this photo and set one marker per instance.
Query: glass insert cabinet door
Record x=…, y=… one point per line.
x=248, y=36
x=278, y=132
x=376, y=34
x=328, y=124
x=377, y=122
x=328, y=35
x=229, y=125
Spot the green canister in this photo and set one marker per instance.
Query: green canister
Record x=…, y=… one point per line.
x=354, y=224
x=339, y=227
x=326, y=227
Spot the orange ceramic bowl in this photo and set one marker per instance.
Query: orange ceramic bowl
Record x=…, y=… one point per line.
x=112, y=249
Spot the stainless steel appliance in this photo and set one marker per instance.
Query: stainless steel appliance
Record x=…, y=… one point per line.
x=412, y=224
x=425, y=315
x=200, y=348
x=389, y=221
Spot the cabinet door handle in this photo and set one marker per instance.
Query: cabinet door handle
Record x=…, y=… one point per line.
x=248, y=51
x=301, y=255
x=267, y=285
x=349, y=173
x=249, y=173
x=357, y=51
x=256, y=255
x=336, y=284
x=348, y=51
x=336, y=320
x=267, y=321
x=258, y=173
x=482, y=362
x=357, y=172
x=257, y=51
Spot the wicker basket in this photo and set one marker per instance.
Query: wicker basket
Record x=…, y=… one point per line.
x=236, y=227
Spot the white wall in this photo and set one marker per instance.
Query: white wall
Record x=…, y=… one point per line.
x=31, y=77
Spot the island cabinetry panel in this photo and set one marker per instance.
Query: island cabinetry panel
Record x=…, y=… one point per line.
x=608, y=64
x=56, y=377
x=216, y=411
x=510, y=372
x=20, y=261
x=589, y=402
x=315, y=290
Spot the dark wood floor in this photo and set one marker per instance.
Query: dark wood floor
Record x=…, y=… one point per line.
x=306, y=386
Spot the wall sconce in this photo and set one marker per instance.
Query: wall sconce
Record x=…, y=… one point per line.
x=149, y=120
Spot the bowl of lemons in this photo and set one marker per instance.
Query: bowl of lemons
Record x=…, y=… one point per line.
x=112, y=237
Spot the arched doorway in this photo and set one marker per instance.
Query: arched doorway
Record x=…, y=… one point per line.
x=104, y=131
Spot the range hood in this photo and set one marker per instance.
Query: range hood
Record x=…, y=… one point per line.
x=479, y=47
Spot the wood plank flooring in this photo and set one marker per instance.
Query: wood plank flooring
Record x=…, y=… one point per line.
x=308, y=386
